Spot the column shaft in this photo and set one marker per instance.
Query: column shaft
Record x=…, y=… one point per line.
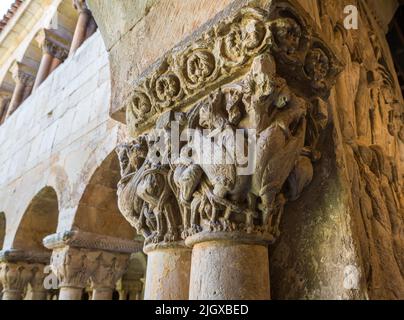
x=70, y=293
x=102, y=294
x=81, y=30
x=55, y=63
x=224, y=270
x=44, y=69
x=17, y=98
x=167, y=275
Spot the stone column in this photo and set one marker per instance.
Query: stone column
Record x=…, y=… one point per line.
x=110, y=269
x=81, y=27
x=227, y=268
x=24, y=78
x=54, y=49
x=79, y=257
x=168, y=272
x=44, y=67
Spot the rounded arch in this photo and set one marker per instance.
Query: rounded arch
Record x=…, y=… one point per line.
x=2, y=228
x=98, y=211
x=40, y=219
x=32, y=57
x=65, y=20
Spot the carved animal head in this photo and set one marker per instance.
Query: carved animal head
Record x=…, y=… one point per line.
x=260, y=82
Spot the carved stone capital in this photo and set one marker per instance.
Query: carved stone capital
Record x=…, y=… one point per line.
x=261, y=72
x=52, y=43
x=111, y=267
x=88, y=240
x=15, y=276
x=23, y=74
x=34, y=257
x=73, y=267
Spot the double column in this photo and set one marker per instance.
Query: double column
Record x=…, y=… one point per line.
x=85, y=27
x=54, y=52
x=24, y=77
x=80, y=257
x=21, y=273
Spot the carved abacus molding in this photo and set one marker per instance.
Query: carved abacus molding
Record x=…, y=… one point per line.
x=225, y=52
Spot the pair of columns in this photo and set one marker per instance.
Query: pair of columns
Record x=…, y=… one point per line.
x=85, y=26
x=79, y=258
x=20, y=270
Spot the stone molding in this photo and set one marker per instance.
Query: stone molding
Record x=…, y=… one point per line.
x=13, y=255
x=87, y=240
x=225, y=51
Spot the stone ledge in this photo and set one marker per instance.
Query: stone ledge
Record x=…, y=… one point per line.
x=88, y=240
x=14, y=255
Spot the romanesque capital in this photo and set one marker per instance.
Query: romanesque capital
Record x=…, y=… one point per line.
x=110, y=269
x=38, y=277
x=18, y=268
x=15, y=276
x=74, y=266
x=79, y=256
x=257, y=80
x=23, y=74
x=52, y=43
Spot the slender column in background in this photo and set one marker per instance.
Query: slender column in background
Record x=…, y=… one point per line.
x=24, y=79
x=5, y=98
x=54, y=50
x=82, y=23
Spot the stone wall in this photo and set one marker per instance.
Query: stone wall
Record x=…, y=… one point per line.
x=58, y=137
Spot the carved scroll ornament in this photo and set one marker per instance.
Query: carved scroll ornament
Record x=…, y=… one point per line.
x=261, y=69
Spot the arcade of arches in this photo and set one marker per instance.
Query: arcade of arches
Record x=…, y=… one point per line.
x=87, y=86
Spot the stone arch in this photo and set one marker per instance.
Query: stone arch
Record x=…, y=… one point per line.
x=2, y=228
x=39, y=220
x=32, y=57
x=98, y=211
x=65, y=20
